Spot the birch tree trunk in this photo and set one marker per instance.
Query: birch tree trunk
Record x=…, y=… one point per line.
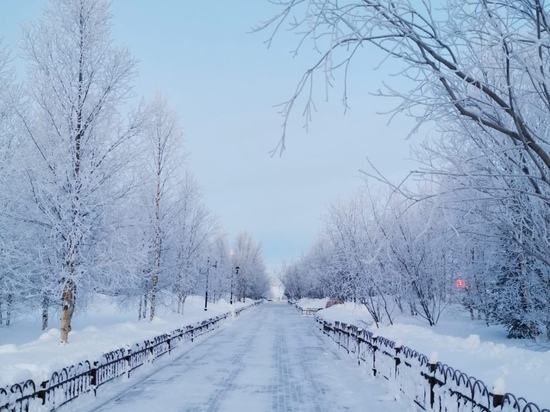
x=67, y=311
x=9, y=308
x=45, y=315
x=181, y=293
x=163, y=136
x=156, y=264
x=74, y=237
x=144, y=307
x=140, y=305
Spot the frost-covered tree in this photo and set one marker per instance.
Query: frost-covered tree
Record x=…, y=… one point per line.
x=418, y=248
x=162, y=173
x=312, y=276
x=10, y=285
x=194, y=230
x=78, y=83
x=388, y=254
x=252, y=280
x=503, y=221
x=220, y=278
x=464, y=58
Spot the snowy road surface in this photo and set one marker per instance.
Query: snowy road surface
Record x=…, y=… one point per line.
x=271, y=359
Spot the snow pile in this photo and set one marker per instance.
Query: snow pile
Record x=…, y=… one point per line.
x=103, y=328
x=520, y=366
x=306, y=303
x=499, y=387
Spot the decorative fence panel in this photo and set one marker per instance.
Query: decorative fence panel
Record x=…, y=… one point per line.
x=432, y=386
x=86, y=377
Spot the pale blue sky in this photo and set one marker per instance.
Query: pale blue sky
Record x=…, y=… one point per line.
x=225, y=83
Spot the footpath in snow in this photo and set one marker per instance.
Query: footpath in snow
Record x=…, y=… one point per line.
x=271, y=359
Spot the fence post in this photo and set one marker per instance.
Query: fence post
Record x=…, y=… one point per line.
x=93, y=375
x=41, y=394
x=151, y=350
x=431, y=380
x=498, y=400
x=397, y=348
x=128, y=359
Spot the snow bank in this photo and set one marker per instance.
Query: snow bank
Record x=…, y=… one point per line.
x=306, y=303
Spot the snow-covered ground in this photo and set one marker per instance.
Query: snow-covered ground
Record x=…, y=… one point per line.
x=312, y=303
x=28, y=353
x=470, y=346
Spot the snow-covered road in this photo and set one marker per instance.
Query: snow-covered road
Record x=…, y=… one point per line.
x=271, y=359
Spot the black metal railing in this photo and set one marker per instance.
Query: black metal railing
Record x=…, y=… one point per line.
x=432, y=386
x=86, y=377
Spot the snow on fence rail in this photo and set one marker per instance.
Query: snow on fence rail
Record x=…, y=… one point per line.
x=307, y=309
x=87, y=376
x=430, y=384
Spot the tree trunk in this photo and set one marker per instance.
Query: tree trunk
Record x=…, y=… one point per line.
x=45, y=316
x=69, y=289
x=144, y=313
x=9, y=306
x=67, y=309
x=156, y=262
x=153, y=297
x=181, y=303
x=181, y=294
x=399, y=302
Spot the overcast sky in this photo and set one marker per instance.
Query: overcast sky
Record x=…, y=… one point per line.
x=226, y=83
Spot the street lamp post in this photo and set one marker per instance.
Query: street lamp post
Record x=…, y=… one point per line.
x=215, y=265
x=232, y=280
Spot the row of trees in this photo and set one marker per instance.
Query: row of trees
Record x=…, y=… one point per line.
x=96, y=197
x=478, y=70
x=396, y=255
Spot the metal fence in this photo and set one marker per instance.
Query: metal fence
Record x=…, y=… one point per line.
x=432, y=386
x=86, y=377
